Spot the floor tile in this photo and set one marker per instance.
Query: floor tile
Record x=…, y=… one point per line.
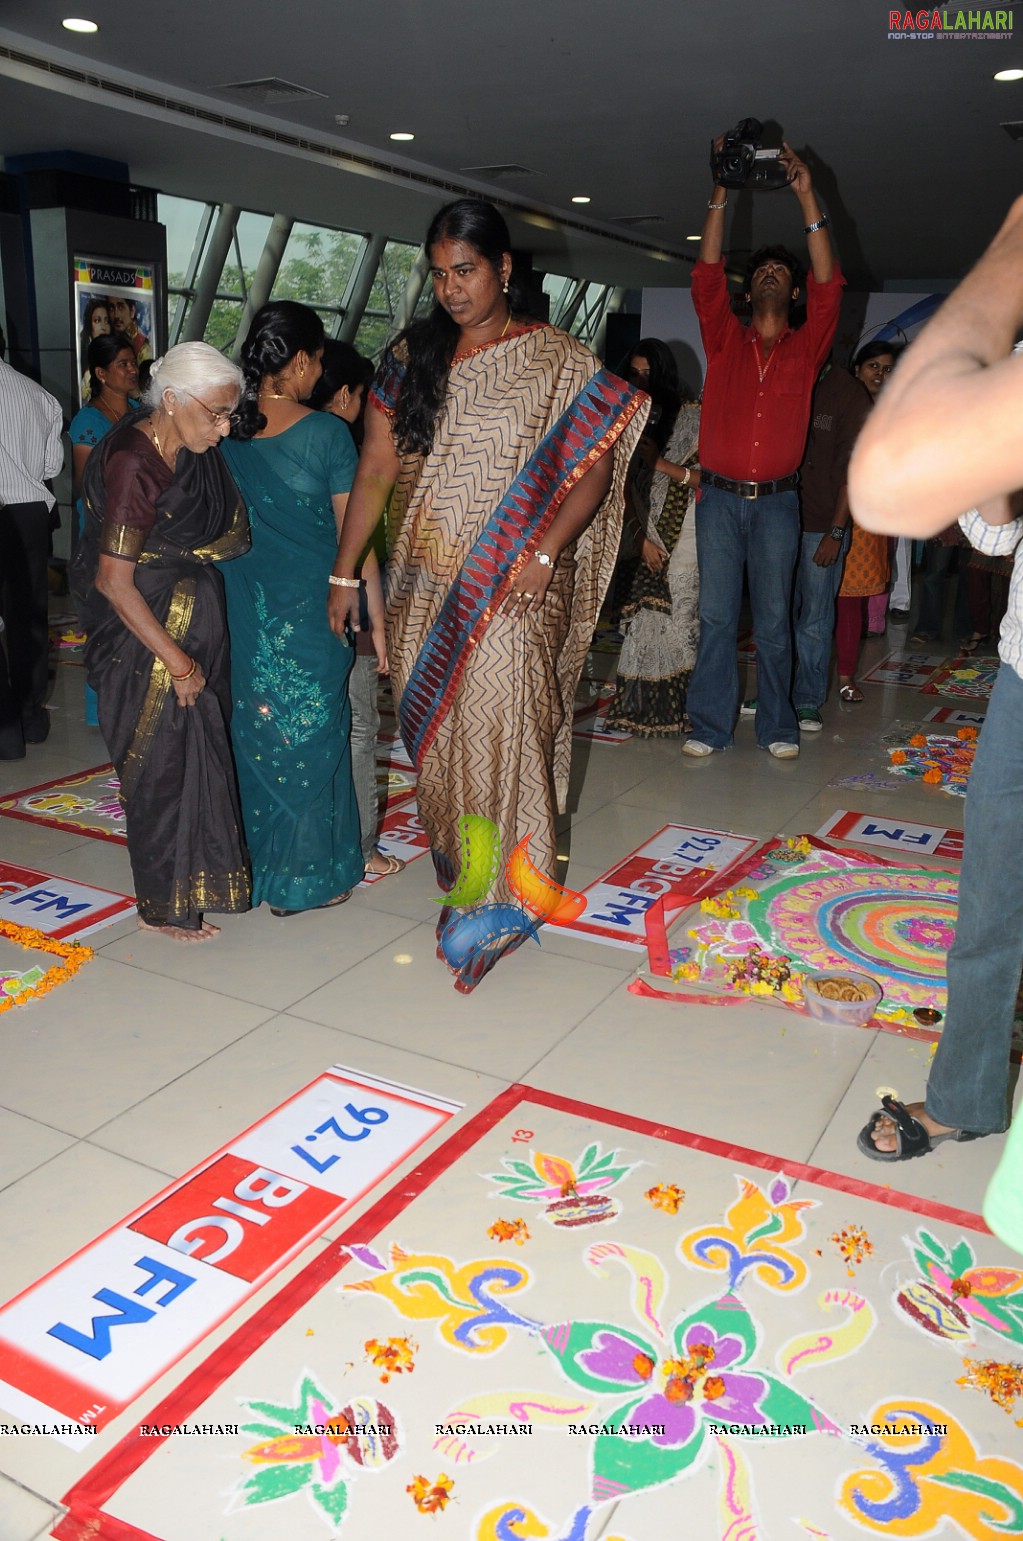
x=532, y=999
x=182, y=1123
x=730, y=1071
x=261, y=958
x=24, y=1516
x=25, y=1144
x=50, y=1213
x=127, y=1033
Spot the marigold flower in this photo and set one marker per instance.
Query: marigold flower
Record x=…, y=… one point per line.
x=509, y=1230
x=666, y=1196
x=431, y=1497
x=918, y=741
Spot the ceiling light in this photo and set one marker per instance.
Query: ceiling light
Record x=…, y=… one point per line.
x=694, y=237
x=79, y=24
x=580, y=198
x=403, y=137
x=402, y=957
x=999, y=74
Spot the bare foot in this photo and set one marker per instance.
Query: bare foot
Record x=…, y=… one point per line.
x=883, y=1134
x=205, y=933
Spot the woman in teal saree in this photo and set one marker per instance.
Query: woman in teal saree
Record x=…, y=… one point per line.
x=291, y=720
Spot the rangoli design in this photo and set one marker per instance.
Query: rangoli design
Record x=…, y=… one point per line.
x=835, y=910
x=713, y=1363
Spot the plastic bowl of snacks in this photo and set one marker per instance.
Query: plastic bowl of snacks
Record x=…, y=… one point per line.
x=841, y=997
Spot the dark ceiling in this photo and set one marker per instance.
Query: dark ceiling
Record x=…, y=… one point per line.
x=615, y=101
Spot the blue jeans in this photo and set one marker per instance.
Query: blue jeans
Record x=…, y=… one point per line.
x=813, y=613
x=969, y=1080
x=761, y=534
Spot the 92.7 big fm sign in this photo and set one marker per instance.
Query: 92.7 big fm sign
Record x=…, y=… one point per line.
x=87, y=1339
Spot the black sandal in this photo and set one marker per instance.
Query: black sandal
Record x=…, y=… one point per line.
x=911, y=1138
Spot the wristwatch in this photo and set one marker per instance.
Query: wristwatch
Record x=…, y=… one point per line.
x=544, y=559
x=838, y=531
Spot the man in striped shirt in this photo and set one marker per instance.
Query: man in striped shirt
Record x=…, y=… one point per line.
x=30, y=454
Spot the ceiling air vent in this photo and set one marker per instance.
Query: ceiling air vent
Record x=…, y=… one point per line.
x=269, y=91
x=631, y=220
x=507, y=173
x=1014, y=130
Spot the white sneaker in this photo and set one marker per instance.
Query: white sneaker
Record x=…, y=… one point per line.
x=784, y=751
x=697, y=748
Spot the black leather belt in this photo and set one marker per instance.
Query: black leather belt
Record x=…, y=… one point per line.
x=749, y=489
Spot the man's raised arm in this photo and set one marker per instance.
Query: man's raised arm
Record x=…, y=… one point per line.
x=815, y=224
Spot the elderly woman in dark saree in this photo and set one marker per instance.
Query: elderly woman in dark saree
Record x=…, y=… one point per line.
x=160, y=510
x=506, y=444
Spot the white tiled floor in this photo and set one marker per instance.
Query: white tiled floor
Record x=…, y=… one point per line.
x=154, y=1056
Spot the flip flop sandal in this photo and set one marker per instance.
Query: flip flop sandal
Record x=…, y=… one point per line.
x=970, y=646
x=850, y=693
x=911, y=1138
x=331, y=904
x=394, y=866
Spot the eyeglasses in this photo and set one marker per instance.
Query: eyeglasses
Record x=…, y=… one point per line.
x=224, y=416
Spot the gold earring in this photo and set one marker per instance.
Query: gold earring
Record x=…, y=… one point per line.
x=504, y=287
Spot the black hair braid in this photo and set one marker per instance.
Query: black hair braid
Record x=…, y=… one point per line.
x=279, y=330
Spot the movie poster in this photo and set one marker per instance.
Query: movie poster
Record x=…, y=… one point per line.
x=113, y=296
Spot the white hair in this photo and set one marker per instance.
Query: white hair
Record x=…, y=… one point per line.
x=189, y=368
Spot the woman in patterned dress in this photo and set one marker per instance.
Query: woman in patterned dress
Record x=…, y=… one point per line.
x=291, y=716
x=662, y=613
x=502, y=446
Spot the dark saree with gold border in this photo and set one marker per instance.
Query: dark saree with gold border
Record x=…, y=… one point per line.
x=177, y=776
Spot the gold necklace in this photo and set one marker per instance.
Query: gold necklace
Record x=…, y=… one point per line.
x=507, y=324
x=275, y=396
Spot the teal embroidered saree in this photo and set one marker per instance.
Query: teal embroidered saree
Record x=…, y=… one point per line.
x=291, y=719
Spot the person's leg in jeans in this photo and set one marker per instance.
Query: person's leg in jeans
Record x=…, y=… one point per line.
x=813, y=609
x=969, y=1081
x=773, y=552
x=713, y=698
x=363, y=683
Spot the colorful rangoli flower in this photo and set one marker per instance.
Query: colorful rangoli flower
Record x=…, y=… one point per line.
x=674, y=1393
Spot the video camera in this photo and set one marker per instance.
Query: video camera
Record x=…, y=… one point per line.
x=741, y=162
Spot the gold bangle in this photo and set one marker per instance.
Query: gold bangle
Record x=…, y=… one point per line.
x=187, y=676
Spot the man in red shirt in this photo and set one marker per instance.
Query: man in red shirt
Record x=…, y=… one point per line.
x=756, y=409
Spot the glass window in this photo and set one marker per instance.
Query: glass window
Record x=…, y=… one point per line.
x=317, y=266
x=591, y=311
x=246, y=248
x=558, y=290
x=183, y=218
x=222, y=326
x=396, y=263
